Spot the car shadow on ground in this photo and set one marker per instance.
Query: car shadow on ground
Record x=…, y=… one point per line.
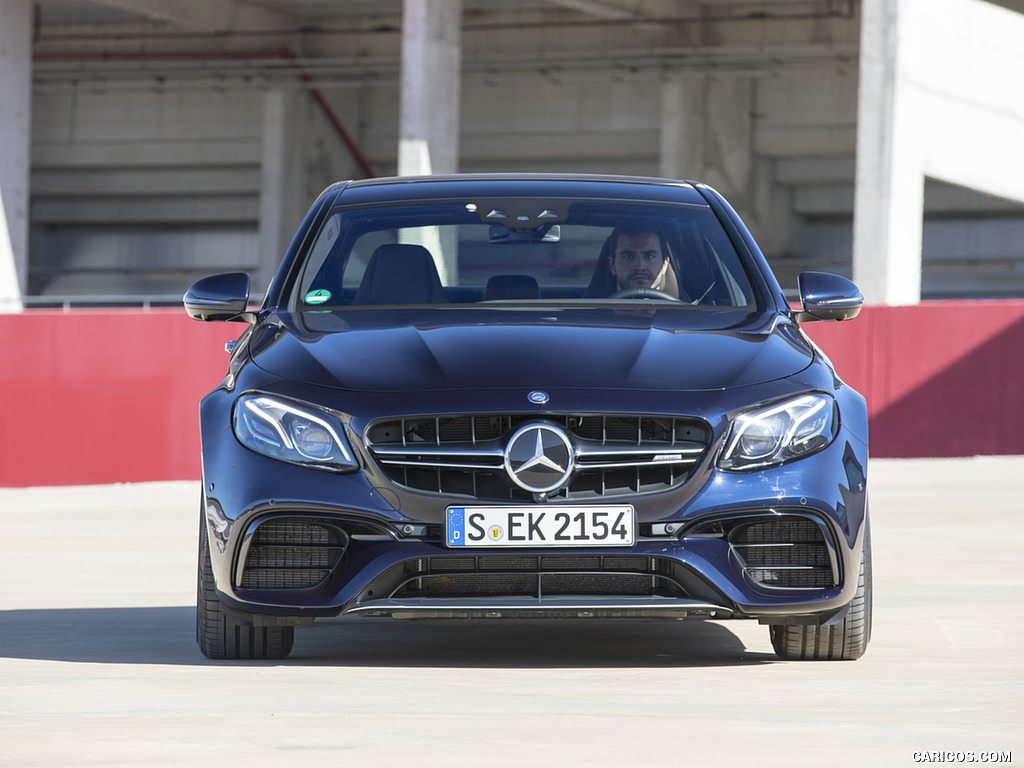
x=166, y=635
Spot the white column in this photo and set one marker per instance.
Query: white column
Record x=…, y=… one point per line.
x=429, y=112
x=431, y=74
x=683, y=113
x=889, y=199
x=278, y=168
x=15, y=149
x=940, y=96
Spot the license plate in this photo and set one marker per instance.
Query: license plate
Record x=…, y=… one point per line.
x=561, y=526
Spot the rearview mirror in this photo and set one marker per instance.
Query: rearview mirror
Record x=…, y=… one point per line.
x=549, y=233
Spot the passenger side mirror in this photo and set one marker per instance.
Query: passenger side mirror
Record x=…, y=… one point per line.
x=220, y=298
x=827, y=297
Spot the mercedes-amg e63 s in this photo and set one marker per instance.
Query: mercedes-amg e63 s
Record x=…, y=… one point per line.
x=546, y=396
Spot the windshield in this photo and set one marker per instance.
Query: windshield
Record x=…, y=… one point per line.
x=521, y=250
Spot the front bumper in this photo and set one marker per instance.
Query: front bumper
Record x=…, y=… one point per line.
x=324, y=564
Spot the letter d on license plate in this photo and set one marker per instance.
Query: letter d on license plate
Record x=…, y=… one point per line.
x=548, y=526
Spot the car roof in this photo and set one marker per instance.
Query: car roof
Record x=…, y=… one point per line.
x=480, y=185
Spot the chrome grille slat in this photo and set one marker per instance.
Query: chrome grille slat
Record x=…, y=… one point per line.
x=616, y=455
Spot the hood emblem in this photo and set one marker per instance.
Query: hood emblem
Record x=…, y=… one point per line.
x=537, y=397
x=539, y=458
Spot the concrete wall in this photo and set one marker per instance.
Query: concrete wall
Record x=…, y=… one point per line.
x=157, y=158
x=112, y=396
x=143, y=192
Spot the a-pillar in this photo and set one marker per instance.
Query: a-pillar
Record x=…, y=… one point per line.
x=15, y=150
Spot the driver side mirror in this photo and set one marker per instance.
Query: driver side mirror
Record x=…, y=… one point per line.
x=827, y=297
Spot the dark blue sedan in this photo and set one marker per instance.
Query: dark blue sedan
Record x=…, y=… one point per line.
x=543, y=396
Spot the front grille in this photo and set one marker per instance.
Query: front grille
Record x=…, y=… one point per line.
x=464, y=455
x=789, y=551
x=292, y=554
x=538, y=576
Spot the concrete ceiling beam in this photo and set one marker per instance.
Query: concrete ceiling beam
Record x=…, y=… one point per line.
x=207, y=16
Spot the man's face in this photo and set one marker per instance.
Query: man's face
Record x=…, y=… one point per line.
x=638, y=261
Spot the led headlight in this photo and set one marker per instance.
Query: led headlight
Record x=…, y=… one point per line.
x=780, y=432
x=292, y=432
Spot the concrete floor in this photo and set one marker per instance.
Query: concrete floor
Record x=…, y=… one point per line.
x=98, y=663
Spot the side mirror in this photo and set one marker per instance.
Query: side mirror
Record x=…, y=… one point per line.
x=827, y=297
x=219, y=298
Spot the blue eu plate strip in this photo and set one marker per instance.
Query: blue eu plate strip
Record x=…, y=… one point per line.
x=456, y=526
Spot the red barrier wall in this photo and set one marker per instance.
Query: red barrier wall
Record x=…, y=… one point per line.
x=942, y=378
x=93, y=396
x=105, y=396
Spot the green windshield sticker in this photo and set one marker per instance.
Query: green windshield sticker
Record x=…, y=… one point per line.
x=317, y=297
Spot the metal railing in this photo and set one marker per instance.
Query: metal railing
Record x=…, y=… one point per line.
x=67, y=303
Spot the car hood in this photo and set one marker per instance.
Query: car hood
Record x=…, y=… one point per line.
x=441, y=350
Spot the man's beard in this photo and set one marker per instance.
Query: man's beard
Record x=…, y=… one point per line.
x=643, y=275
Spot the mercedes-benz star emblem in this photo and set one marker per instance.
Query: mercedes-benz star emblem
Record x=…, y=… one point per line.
x=537, y=397
x=539, y=458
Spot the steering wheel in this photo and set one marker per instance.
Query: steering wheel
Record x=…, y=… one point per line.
x=643, y=293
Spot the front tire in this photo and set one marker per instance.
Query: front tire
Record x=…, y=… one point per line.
x=217, y=635
x=846, y=640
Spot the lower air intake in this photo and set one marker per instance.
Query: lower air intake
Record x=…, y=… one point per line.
x=292, y=554
x=788, y=551
x=538, y=577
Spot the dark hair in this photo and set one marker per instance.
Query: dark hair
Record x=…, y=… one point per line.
x=632, y=228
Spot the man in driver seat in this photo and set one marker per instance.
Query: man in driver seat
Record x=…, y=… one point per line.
x=636, y=256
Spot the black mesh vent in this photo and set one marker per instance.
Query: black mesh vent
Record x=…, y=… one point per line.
x=540, y=576
x=292, y=554
x=788, y=552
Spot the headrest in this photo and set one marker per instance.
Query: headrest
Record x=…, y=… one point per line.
x=400, y=273
x=511, y=287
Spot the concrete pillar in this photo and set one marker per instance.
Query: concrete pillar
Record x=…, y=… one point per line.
x=15, y=149
x=707, y=135
x=431, y=74
x=683, y=119
x=939, y=97
x=278, y=183
x=889, y=199
x=429, y=113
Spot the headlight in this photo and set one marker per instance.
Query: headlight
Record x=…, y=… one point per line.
x=298, y=434
x=781, y=432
